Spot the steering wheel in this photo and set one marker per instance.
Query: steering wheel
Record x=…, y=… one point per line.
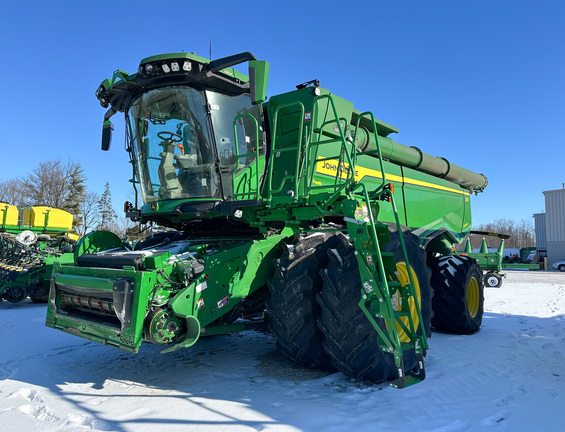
x=169, y=136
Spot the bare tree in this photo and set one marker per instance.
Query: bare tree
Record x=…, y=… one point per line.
x=48, y=184
x=89, y=214
x=11, y=192
x=121, y=226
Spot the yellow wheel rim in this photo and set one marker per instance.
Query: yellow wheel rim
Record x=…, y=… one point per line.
x=473, y=297
x=404, y=279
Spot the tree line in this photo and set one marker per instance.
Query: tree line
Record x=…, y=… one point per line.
x=522, y=234
x=63, y=185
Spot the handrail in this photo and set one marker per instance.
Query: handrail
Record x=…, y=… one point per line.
x=381, y=164
x=345, y=158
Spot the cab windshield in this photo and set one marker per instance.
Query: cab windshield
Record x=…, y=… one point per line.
x=173, y=142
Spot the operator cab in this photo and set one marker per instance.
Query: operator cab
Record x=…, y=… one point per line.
x=195, y=128
x=183, y=141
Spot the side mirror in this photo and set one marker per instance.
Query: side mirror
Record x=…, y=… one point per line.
x=258, y=80
x=107, y=129
x=258, y=73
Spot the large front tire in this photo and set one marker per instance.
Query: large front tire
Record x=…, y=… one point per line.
x=350, y=338
x=292, y=307
x=458, y=294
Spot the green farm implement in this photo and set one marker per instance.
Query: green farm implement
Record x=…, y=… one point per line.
x=27, y=248
x=492, y=263
x=298, y=210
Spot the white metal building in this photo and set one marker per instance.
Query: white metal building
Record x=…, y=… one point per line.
x=541, y=243
x=550, y=226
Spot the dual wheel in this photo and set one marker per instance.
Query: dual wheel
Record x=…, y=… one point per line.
x=314, y=310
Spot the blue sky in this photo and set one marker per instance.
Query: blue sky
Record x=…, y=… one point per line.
x=480, y=83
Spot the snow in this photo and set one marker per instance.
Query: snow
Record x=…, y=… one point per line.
x=508, y=376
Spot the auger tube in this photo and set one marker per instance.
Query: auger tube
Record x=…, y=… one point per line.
x=413, y=157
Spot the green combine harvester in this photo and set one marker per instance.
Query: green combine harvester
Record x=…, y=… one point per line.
x=28, y=247
x=298, y=210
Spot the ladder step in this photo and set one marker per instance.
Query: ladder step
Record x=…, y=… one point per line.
x=414, y=377
x=411, y=380
x=407, y=345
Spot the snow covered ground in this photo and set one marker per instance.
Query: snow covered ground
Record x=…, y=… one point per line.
x=509, y=376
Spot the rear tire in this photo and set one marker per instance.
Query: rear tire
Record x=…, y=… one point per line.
x=350, y=338
x=292, y=307
x=458, y=294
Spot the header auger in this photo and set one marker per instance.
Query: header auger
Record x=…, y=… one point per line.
x=298, y=210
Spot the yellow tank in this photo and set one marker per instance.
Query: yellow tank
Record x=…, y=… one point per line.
x=57, y=219
x=9, y=212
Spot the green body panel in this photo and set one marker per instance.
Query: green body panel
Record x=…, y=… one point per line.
x=434, y=205
x=488, y=262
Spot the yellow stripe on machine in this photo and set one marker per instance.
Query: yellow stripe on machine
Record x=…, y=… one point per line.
x=329, y=167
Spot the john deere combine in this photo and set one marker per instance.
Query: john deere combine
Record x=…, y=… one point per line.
x=300, y=205
x=27, y=247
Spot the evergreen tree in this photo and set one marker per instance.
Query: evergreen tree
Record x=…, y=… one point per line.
x=76, y=195
x=108, y=215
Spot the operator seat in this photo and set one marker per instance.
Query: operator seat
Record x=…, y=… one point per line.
x=170, y=184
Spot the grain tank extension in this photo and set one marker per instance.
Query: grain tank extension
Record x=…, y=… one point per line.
x=298, y=210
